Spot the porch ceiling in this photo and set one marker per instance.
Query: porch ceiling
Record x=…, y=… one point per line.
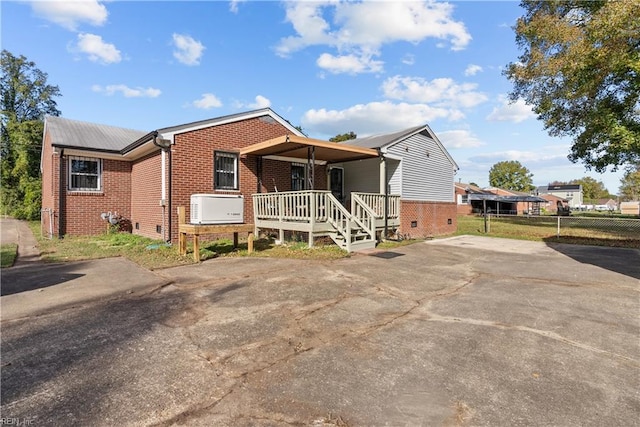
x=298, y=147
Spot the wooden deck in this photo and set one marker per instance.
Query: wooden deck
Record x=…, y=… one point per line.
x=319, y=213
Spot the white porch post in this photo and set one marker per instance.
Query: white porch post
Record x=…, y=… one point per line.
x=383, y=175
x=384, y=189
x=312, y=216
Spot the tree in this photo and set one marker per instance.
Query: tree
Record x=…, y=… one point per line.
x=510, y=175
x=630, y=184
x=25, y=98
x=299, y=128
x=592, y=190
x=343, y=137
x=580, y=69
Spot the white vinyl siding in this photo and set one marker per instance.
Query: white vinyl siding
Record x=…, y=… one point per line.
x=361, y=176
x=427, y=172
x=394, y=176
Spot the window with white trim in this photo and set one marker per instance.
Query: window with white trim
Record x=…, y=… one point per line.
x=85, y=174
x=226, y=171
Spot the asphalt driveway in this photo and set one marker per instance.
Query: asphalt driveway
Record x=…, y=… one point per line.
x=464, y=331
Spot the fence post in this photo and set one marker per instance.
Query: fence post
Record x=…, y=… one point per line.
x=484, y=212
x=558, y=231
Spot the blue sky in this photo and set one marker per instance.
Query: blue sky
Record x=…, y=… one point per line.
x=329, y=66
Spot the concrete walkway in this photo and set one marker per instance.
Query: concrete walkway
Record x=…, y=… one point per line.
x=18, y=232
x=33, y=287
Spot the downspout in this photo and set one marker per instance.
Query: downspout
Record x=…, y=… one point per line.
x=167, y=150
x=61, y=196
x=169, y=198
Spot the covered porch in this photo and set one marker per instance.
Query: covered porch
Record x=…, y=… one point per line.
x=323, y=211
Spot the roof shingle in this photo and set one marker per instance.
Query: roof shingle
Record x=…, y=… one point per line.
x=77, y=134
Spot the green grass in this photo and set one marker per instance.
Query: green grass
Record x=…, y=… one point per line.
x=8, y=254
x=544, y=229
x=154, y=254
x=146, y=252
x=392, y=244
x=266, y=248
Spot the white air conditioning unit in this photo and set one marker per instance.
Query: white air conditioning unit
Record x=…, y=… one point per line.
x=217, y=209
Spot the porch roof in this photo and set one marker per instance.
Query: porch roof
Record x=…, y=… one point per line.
x=298, y=147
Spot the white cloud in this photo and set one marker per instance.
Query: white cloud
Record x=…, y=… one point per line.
x=308, y=23
x=409, y=59
x=70, y=14
x=374, y=117
x=371, y=24
x=360, y=29
x=459, y=139
x=96, y=49
x=233, y=5
x=546, y=155
x=442, y=91
x=350, y=64
x=207, y=101
x=127, y=92
x=260, y=102
x=187, y=50
x=516, y=112
x=472, y=70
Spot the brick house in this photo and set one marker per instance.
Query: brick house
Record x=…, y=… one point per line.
x=472, y=199
x=552, y=201
x=89, y=170
x=464, y=202
x=569, y=192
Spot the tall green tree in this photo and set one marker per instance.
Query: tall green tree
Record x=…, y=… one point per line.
x=25, y=98
x=580, y=69
x=511, y=175
x=592, y=189
x=630, y=184
x=344, y=137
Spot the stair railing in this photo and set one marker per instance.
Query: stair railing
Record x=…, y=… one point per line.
x=340, y=218
x=363, y=215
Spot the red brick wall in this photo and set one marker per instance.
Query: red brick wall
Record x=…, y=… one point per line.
x=192, y=164
x=83, y=209
x=431, y=218
x=146, y=193
x=462, y=209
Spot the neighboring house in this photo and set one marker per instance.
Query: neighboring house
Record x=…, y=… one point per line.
x=464, y=194
x=475, y=200
x=570, y=192
x=398, y=182
x=552, y=202
x=517, y=205
x=606, y=205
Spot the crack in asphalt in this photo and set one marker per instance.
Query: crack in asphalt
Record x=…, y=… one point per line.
x=193, y=411
x=322, y=339
x=432, y=317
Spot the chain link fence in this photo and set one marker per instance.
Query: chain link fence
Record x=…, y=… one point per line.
x=572, y=226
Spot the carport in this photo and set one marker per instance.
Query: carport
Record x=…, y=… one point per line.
x=504, y=205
